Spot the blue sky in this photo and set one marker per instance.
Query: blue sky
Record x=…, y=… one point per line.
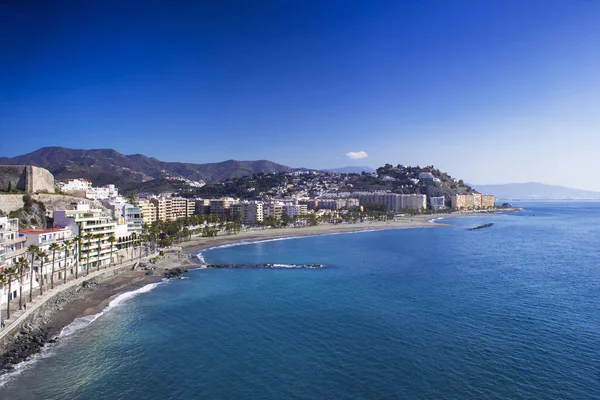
x=490, y=91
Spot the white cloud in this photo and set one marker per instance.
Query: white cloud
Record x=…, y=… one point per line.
x=357, y=155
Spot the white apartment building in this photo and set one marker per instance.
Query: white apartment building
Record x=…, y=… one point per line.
x=83, y=220
x=148, y=211
x=63, y=263
x=102, y=193
x=222, y=207
x=291, y=210
x=393, y=201
x=76, y=185
x=252, y=212
x=273, y=209
x=437, y=203
x=12, y=247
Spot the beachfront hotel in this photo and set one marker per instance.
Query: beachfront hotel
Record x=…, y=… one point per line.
x=148, y=211
x=83, y=220
x=473, y=201
x=64, y=261
x=172, y=208
x=252, y=212
x=12, y=247
x=393, y=201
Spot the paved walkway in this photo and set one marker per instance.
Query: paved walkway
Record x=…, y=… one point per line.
x=18, y=316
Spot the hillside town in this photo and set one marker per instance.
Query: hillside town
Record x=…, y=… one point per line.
x=115, y=228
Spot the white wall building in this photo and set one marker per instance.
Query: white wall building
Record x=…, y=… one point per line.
x=102, y=193
x=437, y=203
x=63, y=263
x=12, y=247
x=75, y=185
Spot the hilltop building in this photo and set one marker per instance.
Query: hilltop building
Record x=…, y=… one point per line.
x=26, y=178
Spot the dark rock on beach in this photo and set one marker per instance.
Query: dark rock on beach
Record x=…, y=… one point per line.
x=175, y=273
x=29, y=342
x=35, y=333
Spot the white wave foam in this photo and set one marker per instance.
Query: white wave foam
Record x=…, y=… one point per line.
x=82, y=322
x=435, y=219
x=18, y=369
x=79, y=323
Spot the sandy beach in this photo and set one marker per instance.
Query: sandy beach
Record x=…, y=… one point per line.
x=258, y=234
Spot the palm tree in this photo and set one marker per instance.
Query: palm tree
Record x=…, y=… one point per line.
x=77, y=255
x=42, y=255
x=67, y=243
x=8, y=275
x=133, y=236
x=53, y=247
x=22, y=263
x=33, y=250
x=88, y=236
x=139, y=243
x=99, y=236
x=112, y=239
x=3, y=282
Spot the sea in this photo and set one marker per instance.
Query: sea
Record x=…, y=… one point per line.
x=510, y=312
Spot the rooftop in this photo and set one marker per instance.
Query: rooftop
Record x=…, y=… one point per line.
x=36, y=231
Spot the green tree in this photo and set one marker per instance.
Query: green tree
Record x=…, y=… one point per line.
x=88, y=236
x=53, y=248
x=22, y=264
x=132, y=242
x=77, y=255
x=272, y=221
x=111, y=239
x=99, y=236
x=42, y=256
x=33, y=250
x=313, y=219
x=68, y=246
x=8, y=275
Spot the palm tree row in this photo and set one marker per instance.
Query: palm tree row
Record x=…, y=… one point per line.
x=71, y=247
x=165, y=233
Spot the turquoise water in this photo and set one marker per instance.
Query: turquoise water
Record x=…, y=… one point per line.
x=508, y=312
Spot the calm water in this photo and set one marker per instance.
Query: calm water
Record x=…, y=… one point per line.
x=509, y=312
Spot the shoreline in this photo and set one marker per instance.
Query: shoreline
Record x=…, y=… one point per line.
x=83, y=302
x=255, y=235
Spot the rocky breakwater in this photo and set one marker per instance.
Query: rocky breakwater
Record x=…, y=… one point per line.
x=38, y=329
x=174, y=273
x=481, y=227
x=263, y=266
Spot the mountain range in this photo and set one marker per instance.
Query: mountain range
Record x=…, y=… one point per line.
x=536, y=191
x=104, y=166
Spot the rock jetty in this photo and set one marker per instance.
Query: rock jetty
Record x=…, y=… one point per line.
x=263, y=266
x=481, y=227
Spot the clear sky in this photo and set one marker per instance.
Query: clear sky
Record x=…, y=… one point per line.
x=492, y=91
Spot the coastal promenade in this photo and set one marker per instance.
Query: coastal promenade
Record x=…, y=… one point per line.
x=18, y=317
